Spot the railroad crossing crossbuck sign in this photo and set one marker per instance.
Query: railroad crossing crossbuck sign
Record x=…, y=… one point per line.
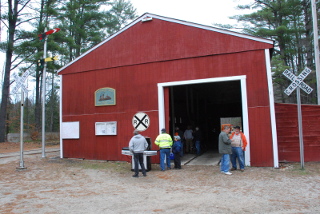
x=297, y=81
x=20, y=82
x=140, y=121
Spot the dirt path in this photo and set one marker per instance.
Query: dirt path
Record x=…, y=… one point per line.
x=54, y=185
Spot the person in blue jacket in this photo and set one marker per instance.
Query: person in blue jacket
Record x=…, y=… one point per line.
x=176, y=150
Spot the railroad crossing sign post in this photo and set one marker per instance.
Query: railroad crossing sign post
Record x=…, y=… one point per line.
x=140, y=121
x=20, y=84
x=297, y=83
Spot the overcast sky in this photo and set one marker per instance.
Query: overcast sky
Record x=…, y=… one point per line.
x=204, y=12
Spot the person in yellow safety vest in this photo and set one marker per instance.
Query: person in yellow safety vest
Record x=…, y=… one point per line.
x=164, y=141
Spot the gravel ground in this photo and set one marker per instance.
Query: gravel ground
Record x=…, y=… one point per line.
x=54, y=185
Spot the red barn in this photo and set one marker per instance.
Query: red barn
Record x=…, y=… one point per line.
x=161, y=72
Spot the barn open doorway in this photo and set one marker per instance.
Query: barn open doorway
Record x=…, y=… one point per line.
x=203, y=105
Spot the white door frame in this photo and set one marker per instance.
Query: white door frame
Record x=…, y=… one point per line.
x=243, y=86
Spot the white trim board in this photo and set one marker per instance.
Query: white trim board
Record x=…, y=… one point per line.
x=245, y=117
x=272, y=112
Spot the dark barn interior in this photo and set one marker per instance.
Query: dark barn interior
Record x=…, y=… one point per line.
x=203, y=105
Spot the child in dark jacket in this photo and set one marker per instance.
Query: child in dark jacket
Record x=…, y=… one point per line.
x=176, y=149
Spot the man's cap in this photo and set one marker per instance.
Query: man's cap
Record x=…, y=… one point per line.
x=177, y=137
x=163, y=130
x=236, y=127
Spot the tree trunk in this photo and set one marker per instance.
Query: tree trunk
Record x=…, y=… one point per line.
x=12, y=20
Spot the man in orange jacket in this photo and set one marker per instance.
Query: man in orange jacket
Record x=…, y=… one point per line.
x=238, y=146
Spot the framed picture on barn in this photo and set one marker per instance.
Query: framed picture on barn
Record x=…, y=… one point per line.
x=105, y=97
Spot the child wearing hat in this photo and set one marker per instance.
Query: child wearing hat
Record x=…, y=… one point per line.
x=176, y=149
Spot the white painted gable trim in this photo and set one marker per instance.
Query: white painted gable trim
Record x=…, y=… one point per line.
x=206, y=27
x=245, y=117
x=149, y=17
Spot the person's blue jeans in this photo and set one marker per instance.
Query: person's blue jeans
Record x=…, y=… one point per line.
x=165, y=154
x=198, y=147
x=225, y=163
x=237, y=153
x=138, y=159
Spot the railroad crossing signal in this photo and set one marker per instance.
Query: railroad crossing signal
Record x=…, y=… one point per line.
x=41, y=63
x=49, y=59
x=20, y=82
x=44, y=35
x=297, y=81
x=140, y=121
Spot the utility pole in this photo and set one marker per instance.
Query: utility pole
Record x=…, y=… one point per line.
x=44, y=100
x=316, y=46
x=43, y=37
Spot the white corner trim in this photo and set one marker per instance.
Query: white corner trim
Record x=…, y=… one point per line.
x=61, y=141
x=272, y=111
x=245, y=119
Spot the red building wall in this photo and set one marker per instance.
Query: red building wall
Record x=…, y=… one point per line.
x=136, y=60
x=288, y=132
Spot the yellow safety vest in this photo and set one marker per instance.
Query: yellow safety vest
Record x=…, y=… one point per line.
x=164, y=141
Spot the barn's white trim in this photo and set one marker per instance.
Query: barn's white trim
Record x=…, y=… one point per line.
x=272, y=111
x=61, y=141
x=245, y=117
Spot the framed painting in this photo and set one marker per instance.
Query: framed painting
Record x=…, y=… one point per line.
x=105, y=97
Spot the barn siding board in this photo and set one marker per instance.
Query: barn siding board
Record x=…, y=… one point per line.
x=139, y=58
x=260, y=136
x=288, y=132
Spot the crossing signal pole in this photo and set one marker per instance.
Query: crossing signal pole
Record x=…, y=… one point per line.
x=41, y=62
x=43, y=138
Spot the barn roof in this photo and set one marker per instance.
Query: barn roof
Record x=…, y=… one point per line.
x=239, y=38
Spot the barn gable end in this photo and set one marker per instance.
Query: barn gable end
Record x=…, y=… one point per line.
x=160, y=40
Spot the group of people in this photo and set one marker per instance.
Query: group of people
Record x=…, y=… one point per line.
x=191, y=139
x=138, y=144
x=233, y=148
x=230, y=147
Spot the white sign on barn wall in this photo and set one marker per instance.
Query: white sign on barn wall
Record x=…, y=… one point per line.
x=70, y=130
x=106, y=128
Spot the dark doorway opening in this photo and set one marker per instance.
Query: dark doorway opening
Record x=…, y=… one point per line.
x=203, y=105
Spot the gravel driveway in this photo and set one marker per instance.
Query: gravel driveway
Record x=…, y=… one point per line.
x=54, y=185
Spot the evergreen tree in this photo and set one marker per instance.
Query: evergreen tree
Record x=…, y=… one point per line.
x=83, y=23
x=287, y=22
x=13, y=18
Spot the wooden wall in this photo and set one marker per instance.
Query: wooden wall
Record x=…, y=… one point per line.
x=288, y=133
x=149, y=53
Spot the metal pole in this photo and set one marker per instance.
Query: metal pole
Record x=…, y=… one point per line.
x=44, y=98
x=21, y=165
x=316, y=46
x=300, y=128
